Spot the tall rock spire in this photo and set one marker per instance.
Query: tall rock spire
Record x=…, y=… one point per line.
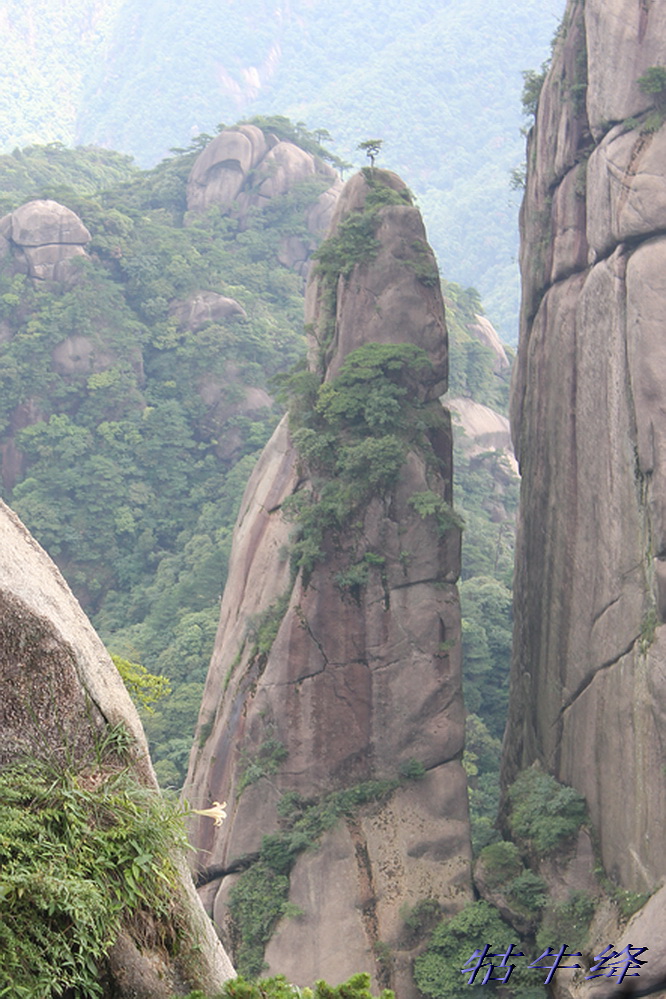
x=332, y=718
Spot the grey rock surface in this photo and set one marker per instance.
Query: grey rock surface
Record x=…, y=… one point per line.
x=588, y=686
x=44, y=238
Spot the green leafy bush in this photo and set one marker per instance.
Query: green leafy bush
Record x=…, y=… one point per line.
x=353, y=433
x=653, y=81
x=566, y=920
x=412, y=769
x=357, y=987
x=543, y=812
x=145, y=688
x=529, y=891
x=80, y=852
x=420, y=917
x=437, y=972
x=352, y=243
x=533, y=82
x=501, y=863
x=429, y=504
x=263, y=763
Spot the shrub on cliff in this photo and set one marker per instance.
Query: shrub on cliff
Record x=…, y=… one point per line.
x=82, y=851
x=357, y=987
x=543, y=812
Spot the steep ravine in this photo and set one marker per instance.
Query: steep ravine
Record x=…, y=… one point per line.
x=588, y=691
x=347, y=672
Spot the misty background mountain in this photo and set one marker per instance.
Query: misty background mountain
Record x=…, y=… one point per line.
x=439, y=81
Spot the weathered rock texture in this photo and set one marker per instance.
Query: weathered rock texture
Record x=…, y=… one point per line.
x=244, y=168
x=43, y=238
x=351, y=688
x=588, y=691
x=58, y=692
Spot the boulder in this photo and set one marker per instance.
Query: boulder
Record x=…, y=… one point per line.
x=44, y=238
x=220, y=171
x=485, y=332
x=205, y=307
x=42, y=223
x=243, y=169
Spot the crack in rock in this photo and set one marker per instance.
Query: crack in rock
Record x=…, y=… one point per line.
x=584, y=684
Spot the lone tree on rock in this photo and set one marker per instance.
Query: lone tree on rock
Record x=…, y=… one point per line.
x=371, y=148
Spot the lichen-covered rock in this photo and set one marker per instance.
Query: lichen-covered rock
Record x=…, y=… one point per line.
x=350, y=685
x=588, y=687
x=59, y=692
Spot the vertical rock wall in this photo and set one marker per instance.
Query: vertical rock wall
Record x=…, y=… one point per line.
x=353, y=685
x=588, y=694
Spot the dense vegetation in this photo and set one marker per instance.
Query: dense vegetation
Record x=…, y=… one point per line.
x=132, y=476
x=84, y=849
x=142, y=76
x=357, y=987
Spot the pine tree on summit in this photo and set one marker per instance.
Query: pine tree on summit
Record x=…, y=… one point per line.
x=371, y=148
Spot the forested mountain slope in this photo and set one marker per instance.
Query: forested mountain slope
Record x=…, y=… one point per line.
x=438, y=81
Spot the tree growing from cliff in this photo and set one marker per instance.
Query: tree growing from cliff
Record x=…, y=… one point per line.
x=371, y=148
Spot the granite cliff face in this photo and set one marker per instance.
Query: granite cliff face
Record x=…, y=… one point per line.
x=315, y=688
x=59, y=693
x=588, y=695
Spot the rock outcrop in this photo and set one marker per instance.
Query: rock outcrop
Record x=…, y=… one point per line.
x=244, y=168
x=588, y=693
x=484, y=331
x=44, y=238
x=205, y=307
x=59, y=694
x=315, y=688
